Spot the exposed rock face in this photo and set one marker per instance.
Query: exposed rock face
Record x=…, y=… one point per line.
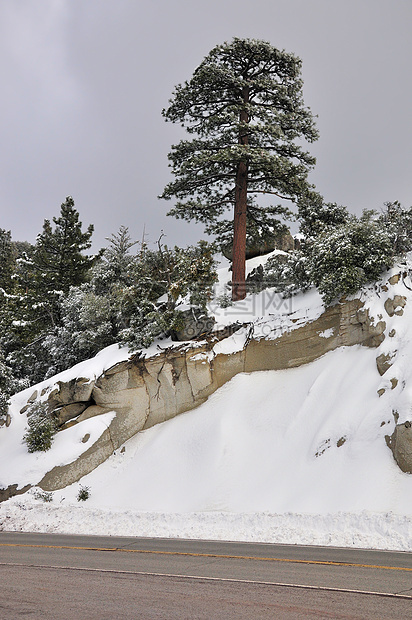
x=400, y=442
x=13, y=490
x=61, y=476
x=144, y=392
x=74, y=391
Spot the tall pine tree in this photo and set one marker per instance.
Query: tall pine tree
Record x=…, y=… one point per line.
x=43, y=277
x=244, y=108
x=59, y=253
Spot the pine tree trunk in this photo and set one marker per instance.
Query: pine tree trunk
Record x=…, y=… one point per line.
x=239, y=234
x=239, y=219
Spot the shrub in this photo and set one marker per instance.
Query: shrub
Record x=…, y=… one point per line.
x=83, y=494
x=287, y=273
x=345, y=257
x=340, y=252
x=316, y=216
x=44, y=496
x=41, y=428
x=397, y=222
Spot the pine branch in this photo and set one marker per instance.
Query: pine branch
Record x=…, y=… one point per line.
x=271, y=192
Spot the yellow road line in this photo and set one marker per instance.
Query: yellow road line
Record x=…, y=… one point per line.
x=210, y=555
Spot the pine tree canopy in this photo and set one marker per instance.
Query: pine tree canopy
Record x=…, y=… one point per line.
x=244, y=109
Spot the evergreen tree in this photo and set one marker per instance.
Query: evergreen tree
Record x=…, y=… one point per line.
x=24, y=321
x=93, y=314
x=57, y=264
x=131, y=299
x=58, y=255
x=17, y=326
x=339, y=252
x=86, y=326
x=43, y=277
x=286, y=273
x=7, y=261
x=5, y=387
x=116, y=264
x=244, y=108
x=164, y=279
x=8, y=385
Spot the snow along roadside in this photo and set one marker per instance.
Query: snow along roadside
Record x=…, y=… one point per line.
x=366, y=530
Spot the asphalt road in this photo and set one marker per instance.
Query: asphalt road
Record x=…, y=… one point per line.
x=74, y=577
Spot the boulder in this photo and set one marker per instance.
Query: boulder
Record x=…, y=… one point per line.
x=68, y=412
x=358, y=327
x=33, y=397
x=400, y=443
x=6, y=421
x=257, y=275
x=194, y=323
x=384, y=362
x=74, y=391
x=395, y=305
x=259, y=247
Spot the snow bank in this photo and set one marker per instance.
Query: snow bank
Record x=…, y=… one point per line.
x=360, y=530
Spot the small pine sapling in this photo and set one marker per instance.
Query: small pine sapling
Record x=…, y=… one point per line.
x=83, y=494
x=41, y=428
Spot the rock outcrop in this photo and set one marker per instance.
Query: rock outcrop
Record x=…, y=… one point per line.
x=13, y=490
x=146, y=391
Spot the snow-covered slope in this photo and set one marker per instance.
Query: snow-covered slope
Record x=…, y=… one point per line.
x=301, y=440
x=297, y=455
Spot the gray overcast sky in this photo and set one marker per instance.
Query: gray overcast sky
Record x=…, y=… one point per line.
x=84, y=82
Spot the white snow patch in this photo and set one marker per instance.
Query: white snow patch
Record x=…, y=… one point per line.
x=327, y=333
